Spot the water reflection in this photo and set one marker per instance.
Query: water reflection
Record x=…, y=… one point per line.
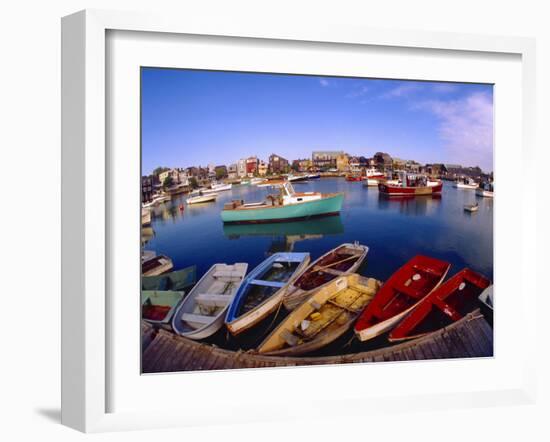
x=410, y=204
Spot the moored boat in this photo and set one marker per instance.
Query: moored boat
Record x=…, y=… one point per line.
x=145, y=217
x=400, y=294
x=465, y=183
x=158, y=306
x=411, y=184
x=287, y=205
x=340, y=261
x=262, y=290
x=314, y=176
x=471, y=207
x=221, y=187
x=485, y=190
x=297, y=178
x=198, y=197
x=352, y=177
x=153, y=264
x=256, y=181
x=450, y=302
x=175, y=281
x=202, y=312
x=325, y=316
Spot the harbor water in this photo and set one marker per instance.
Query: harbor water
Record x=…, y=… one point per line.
x=395, y=229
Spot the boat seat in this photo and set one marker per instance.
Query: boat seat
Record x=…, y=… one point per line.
x=406, y=290
x=213, y=300
x=275, y=284
x=227, y=274
x=196, y=321
x=447, y=309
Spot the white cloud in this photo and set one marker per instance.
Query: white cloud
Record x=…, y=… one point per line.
x=324, y=82
x=444, y=88
x=358, y=92
x=466, y=128
x=402, y=90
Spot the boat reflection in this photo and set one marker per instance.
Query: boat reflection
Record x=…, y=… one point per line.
x=285, y=235
x=410, y=204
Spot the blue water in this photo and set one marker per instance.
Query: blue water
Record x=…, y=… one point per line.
x=394, y=229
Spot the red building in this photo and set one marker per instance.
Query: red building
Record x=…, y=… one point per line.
x=251, y=165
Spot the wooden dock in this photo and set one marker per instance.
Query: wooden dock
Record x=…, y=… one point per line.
x=163, y=351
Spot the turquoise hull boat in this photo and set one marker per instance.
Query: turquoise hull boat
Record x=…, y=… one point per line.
x=263, y=213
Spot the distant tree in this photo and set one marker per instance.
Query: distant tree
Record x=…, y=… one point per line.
x=168, y=181
x=193, y=182
x=220, y=173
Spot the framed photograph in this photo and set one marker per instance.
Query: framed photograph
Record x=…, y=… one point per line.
x=277, y=209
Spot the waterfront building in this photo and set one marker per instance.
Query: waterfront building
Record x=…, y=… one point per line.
x=278, y=164
x=324, y=160
x=220, y=172
x=146, y=188
x=436, y=169
x=241, y=168
x=262, y=168
x=179, y=176
x=302, y=165
x=232, y=171
x=251, y=166
x=354, y=165
x=383, y=161
x=342, y=162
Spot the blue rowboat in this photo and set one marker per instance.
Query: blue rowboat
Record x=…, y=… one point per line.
x=262, y=291
x=287, y=205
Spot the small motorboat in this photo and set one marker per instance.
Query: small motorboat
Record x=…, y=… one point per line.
x=471, y=207
x=262, y=290
x=465, y=183
x=340, y=261
x=178, y=280
x=400, y=294
x=221, y=187
x=157, y=307
x=153, y=264
x=297, y=178
x=325, y=316
x=314, y=176
x=354, y=178
x=411, y=184
x=203, y=311
x=201, y=197
x=485, y=190
x=450, y=302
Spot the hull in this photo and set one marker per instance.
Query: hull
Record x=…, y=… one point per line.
x=400, y=295
x=156, y=266
x=178, y=280
x=394, y=190
x=323, y=318
x=449, y=303
x=325, y=269
x=328, y=205
x=157, y=306
x=202, y=199
x=465, y=186
x=203, y=311
x=354, y=178
x=484, y=193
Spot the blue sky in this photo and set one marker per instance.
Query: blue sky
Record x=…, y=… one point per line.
x=192, y=118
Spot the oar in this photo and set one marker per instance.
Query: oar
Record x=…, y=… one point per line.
x=317, y=268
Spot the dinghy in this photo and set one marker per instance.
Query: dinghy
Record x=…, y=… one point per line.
x=153, y=264
x=340, y=261
x=450, y=302
x=177, y=281
x=202, y=312
x=324, y=317
x=262, y=290
x=400, y=294
x=471, y=207
x=158, y=306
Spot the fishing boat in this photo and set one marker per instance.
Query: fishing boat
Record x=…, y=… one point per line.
x=155, y=201
x=314, y=176
x=351, y=177
x=325, y=316
x=400, y=294
x=245, y=182
x=486, y=297
x=157, y=307
x=297, y=178
x=411, y=184
x=221, y=187
x=340, y=261
x=199, y=196
x=203, y=311
x=153, y=264
x=485, y=190
x=145, y=217
x=465, y=183
x=471, y=207
x=287, y=205
x=178, y=280
x=256, y=181
x=262, y=290
x=450, y=302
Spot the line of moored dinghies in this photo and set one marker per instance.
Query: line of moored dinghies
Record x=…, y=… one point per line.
x=325, y=298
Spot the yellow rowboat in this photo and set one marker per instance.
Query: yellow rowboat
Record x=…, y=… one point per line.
x=324, y=317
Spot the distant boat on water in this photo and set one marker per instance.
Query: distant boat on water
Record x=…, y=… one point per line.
x=287, y=205
x=411, y=184
x=485, y=190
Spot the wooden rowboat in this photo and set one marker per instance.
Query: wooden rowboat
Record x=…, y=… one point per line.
x=178, y=280
x=324, y=317
x=158, y=306
x=400, y=294
x=203, y=311
x=262, y=291
x=449, y=303
x=471, y=207
x=340, y=261
x=153, y=264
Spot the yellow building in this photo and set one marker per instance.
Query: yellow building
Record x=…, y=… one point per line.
x=342, y=162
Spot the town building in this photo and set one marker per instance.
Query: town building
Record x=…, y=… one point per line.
x=241, y=168
x=342, y=162
x=220, y=172
x=262, y=168
x=302, y=165
x=325, y=160
x=251, y=166
x=278, y=164
x=232, y=171
x=383, y=161
x=178, y=176
x=147, y=188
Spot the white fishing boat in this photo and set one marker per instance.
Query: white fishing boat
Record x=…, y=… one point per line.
x=155, y=201
x=465, y=183
x=200, y=197
x=220, y=187
x=485, y=190
x=471, y=207
x=256, y=181
x=202, y=313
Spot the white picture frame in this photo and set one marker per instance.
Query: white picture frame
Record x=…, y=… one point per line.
x=85, y=198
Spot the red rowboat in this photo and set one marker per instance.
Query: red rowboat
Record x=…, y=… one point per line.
x=445, y=305
x=353, y=178
x=400, y=294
